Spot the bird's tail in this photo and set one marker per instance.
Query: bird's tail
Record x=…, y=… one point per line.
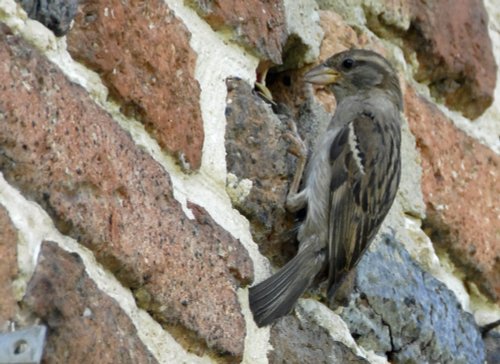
x=276, y=296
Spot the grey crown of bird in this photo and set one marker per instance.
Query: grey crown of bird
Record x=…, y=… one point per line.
x=349, y=185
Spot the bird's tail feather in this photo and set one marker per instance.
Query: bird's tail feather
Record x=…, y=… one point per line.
x=276, y=296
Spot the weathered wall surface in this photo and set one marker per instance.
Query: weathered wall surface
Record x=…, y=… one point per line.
x=143, y=179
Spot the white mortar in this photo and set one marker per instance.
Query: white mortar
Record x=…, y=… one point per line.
x=34, y=226
x=216, y=61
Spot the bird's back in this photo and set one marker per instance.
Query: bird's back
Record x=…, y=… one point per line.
x=365, y=173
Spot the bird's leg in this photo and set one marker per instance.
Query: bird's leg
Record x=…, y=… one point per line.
x=295, y=201
x=340, y=292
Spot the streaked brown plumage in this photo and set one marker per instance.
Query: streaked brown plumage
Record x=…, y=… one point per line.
x=350, y=183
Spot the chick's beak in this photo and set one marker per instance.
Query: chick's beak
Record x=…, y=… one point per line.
x=322, y=75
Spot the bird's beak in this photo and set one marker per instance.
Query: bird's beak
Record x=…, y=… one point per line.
x=322, y=75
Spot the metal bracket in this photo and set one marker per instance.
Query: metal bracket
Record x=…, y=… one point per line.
x=22, y=347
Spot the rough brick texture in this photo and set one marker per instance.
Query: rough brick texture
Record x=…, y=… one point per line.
x=61, y=150
x=256, y=149
x=454, y=52
x=142, y=52
x=296, y=342
x=8, y=269
x=84, y=324
x=449, y=40
x=259, y=25
x=461, y=188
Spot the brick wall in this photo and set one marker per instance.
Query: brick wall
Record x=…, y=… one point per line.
x=143, y=179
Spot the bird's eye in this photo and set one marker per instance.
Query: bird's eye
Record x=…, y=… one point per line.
x=348, y=63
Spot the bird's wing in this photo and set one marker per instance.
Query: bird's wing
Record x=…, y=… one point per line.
x=360, y=190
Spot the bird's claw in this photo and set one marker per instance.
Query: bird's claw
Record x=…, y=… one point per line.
x=297, y=146
x=264, y=92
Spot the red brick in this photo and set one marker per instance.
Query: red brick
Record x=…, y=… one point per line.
x=461, y=188
x=85, y=325
x=451, y=42
x=449, y=39
x=454, y=52
x=142, y=52
x=259, y=25
x=60, y=149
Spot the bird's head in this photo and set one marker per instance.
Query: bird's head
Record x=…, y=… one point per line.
x=357, y=71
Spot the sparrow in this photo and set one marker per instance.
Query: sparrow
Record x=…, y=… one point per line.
x=350, y=182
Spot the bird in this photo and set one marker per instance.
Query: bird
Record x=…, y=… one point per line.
x=350, y=182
